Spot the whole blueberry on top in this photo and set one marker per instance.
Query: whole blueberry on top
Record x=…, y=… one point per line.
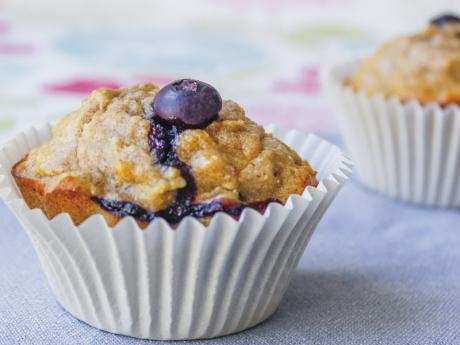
x=445, y=19
x=187, y=102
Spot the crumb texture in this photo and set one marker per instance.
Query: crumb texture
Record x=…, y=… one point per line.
x=102, y=149
x=424, y=66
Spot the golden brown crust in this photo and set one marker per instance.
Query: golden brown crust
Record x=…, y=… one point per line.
x=67, y=197
x=103, y=150
x=424, y=66
x=70, y=196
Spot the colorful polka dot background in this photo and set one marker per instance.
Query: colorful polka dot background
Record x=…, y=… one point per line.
x=266, y=55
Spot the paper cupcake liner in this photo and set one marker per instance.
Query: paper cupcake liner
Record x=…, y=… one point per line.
x=404, y=149
x=184, y=283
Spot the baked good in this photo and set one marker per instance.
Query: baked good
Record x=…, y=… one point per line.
x=168, y=153
x=424, y=66
x=123, y=146
x=399, y=114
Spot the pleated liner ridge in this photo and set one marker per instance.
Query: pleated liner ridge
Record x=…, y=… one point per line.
x=403, y=149
x=185, y=283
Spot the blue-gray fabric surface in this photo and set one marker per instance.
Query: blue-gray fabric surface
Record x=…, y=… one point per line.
x=376, y=271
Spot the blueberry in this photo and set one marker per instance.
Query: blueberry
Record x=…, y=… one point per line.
x=445, y=19
x=187, y=102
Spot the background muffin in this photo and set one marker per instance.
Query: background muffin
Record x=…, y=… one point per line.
x=398, y=111
x=423, y=66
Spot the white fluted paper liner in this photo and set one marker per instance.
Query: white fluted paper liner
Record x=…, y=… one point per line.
x=184, y=283
x=404, y=149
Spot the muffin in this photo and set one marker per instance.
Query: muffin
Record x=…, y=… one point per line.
x=424, y=66
x=226, y=209
x=127, y=152
x=399, y=113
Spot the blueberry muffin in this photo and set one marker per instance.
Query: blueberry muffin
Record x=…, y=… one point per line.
x=170, y=153
x=424, y=66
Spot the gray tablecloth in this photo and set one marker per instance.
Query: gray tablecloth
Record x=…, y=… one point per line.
x=376, y=272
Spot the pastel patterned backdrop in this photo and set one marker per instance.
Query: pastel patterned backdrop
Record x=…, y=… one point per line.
x=266, y=55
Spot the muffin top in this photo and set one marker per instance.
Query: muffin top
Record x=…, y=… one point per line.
x=147, y=156
x=424, y=66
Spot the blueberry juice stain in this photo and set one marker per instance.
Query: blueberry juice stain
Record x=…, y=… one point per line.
x=163, y=139
x=172, y=114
